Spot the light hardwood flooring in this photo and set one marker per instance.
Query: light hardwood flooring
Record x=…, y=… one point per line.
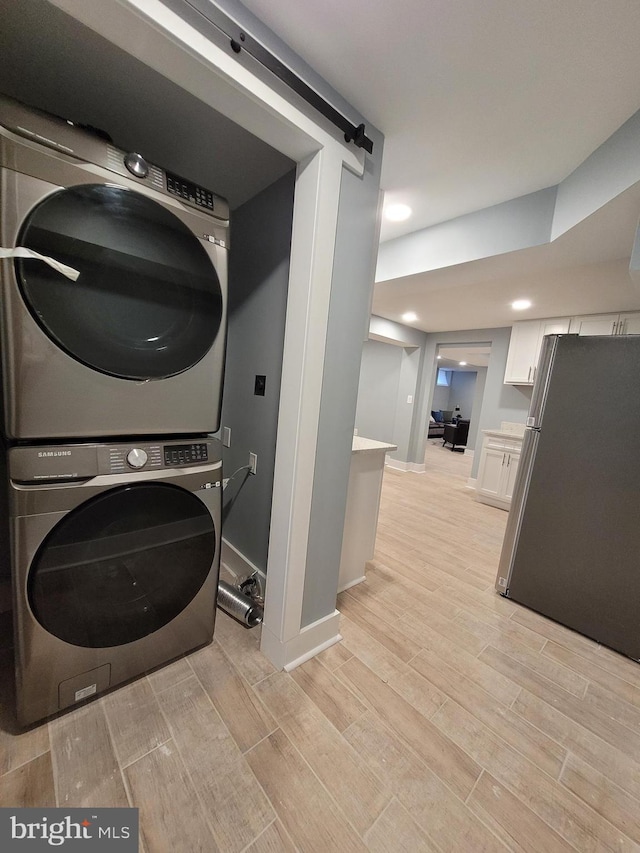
x=448, y=718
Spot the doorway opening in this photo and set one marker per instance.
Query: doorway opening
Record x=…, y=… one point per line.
x=457, y=393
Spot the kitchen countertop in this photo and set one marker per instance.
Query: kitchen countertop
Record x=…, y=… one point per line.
x=368, y=445
x=504, y=433
x=507, y=429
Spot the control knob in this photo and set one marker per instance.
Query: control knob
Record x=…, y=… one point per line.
x=137, y=165
x=137, y=458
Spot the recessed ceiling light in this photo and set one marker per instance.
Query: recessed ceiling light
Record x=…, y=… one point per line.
x=397, y=212
x=462, y=363
x=409, y=317
x=438, y=356
x=521, y=304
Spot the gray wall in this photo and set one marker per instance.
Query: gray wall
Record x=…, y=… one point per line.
x=258, y=280
x=378, y=390
x=462, y=391
x=352, y=281
x=478, y=396
x=388, y=378
x=440, y=398
x=493, y=401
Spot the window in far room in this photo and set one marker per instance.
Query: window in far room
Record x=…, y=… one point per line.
x=444, y=377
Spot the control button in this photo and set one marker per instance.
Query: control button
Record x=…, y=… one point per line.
x=137, y=165
x=137, y=458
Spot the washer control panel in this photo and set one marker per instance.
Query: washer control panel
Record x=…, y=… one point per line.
x=170, y=454
x=68, y=462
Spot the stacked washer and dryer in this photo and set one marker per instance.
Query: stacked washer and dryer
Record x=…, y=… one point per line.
x=113, y=307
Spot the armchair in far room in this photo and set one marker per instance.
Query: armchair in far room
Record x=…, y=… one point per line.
x=456, y=434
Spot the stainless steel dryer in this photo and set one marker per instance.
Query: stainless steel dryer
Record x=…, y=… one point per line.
x=115, y=552
x=135, y=345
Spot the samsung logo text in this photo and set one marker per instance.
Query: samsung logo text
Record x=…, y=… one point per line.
x=54, y=453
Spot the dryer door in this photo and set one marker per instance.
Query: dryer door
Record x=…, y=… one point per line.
x=122, y=565
x=147, y=303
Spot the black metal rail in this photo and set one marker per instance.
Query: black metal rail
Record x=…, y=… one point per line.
x=240, y=40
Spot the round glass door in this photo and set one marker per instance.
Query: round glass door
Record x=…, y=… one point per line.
x=147, y=303
x=122, y=565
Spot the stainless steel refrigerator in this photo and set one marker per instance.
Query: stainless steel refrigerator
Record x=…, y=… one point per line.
x=572, y=544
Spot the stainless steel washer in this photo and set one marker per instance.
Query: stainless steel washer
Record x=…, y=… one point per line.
x=135, y=345
x=115, y=552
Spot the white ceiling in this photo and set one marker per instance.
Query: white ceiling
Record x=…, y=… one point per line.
x=482, y=102
x=476, y=355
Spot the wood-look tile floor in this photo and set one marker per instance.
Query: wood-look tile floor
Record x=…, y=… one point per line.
x=448, y=719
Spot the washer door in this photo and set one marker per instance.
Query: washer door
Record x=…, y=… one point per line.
x=147, y=303
x=122, y=565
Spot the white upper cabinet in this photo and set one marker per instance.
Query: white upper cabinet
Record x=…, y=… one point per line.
x=527, y=336
x=595, y=324
x=525, y=346
x=629, y=324
x=607, y=324
x=522, y=353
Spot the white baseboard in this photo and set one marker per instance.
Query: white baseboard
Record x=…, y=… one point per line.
x=470, y=453
x=312, y=640
x=472, y=483
x=236, y=563
x=351, y=583
x=398, y=465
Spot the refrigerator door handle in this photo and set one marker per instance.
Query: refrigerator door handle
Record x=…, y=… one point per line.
x=539, y=396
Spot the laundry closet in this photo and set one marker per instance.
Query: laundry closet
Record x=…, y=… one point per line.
x=300, y=273
x=113, y=392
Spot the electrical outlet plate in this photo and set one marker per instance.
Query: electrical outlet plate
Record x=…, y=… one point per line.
x=253, y=462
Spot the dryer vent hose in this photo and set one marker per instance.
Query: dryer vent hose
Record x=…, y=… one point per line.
x=240, y=606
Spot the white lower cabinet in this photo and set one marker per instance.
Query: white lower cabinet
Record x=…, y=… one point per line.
x=499, y=459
